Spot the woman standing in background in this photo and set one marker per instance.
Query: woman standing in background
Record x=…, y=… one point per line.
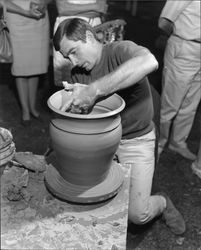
x=91, y=11
x=196, y=165
x=28, y=23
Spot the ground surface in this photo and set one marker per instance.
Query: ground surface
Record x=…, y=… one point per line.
x=173, y=174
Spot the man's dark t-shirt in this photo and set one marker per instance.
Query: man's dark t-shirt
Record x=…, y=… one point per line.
x=138, y=113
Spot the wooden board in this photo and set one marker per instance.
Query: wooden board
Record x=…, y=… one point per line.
x=44, y=222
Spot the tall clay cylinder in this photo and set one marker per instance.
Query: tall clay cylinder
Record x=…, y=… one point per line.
x=85, y=144
x=84, y=157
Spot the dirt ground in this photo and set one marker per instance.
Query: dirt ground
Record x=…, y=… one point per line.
x=173, y=174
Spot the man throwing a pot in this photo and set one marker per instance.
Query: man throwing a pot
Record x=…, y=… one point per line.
x=119, y=67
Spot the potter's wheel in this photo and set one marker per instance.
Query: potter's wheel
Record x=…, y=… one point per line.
x=65, y=190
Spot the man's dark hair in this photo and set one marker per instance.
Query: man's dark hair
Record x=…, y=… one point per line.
x=73, y=29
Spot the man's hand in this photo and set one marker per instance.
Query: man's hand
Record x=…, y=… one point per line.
x=37, y=9
x=35, y=14
x=82, y=99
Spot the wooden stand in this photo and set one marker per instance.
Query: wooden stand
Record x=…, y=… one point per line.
x=44, y=222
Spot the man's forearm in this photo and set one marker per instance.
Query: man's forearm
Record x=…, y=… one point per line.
x=126, y=75
x=13, y=8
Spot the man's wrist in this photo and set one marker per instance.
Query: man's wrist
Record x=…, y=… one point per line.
x=95, y=92
x=26, y=13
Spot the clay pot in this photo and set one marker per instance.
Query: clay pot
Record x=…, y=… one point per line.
x=85, y=144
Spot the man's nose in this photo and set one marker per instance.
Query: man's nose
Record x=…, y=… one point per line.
x=72, y=60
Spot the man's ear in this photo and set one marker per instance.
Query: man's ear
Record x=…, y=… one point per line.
x=89, y=36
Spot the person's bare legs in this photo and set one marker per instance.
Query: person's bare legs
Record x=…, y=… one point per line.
x=22, y=88
x=32, y=89
x=199, y=156
x=196, y=165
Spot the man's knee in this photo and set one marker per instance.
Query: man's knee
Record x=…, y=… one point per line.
x=139, y=217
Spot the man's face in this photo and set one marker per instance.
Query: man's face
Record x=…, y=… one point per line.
x=79, y=53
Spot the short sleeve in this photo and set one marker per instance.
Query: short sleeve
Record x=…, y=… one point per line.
x=125, y=50
x=172, y=9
